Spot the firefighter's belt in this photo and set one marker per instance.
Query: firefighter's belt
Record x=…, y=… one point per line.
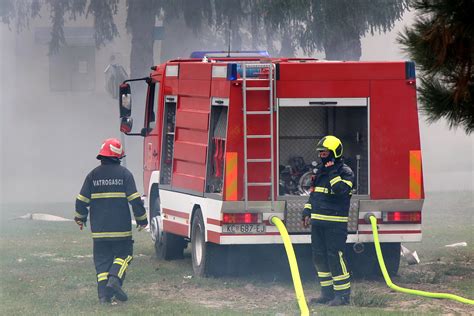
x=112, y=234
x=329, y=218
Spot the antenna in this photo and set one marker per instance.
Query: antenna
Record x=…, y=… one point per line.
x=228, y=30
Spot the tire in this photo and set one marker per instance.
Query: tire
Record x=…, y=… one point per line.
x=366, y=265
x=391, y=254
x=362, y=265
x=203, y=254
x=304, y=183
x=168, y=246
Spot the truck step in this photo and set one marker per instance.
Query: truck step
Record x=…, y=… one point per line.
x=259, y=136
x=259, y=184
x=258, y=112
x=257, y=88
x=259, y=160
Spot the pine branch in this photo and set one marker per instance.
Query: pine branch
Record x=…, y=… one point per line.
x=438, y=101
x=441, y=42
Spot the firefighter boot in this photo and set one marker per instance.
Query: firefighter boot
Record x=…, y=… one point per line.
x=116, y=288
x=340, y=299
x=104, y=300
x=104, y=293
x=327, y=295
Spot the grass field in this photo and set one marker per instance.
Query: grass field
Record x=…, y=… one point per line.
x=47, y=269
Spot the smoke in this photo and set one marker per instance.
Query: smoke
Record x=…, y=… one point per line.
x=52, y=122
x=49, y=139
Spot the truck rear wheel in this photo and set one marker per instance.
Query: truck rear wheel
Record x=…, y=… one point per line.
x=391, y=254
x=202, y=253
x=167, y=246
x=366, y=265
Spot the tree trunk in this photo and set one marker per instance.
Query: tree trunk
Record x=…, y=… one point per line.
x=236, y=38
x=141, y=24
x=342, y=40
x=287, y=48
x=174, y=28
x=343, y=48
x=179, y=41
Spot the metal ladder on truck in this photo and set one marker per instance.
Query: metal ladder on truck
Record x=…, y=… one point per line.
x=270, y=113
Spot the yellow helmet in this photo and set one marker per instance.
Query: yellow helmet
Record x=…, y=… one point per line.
x=332, y=144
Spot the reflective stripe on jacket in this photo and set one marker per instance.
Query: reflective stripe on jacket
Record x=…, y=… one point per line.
x=329, y=200
x=104, y=197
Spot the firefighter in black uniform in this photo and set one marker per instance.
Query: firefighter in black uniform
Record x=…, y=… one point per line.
x=105, y=195
x=327, y=212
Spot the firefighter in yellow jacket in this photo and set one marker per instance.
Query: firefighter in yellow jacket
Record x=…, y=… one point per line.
x=104, y=197
x=327, y=212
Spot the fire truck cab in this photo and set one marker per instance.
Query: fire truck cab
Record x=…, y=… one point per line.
x=230, y=140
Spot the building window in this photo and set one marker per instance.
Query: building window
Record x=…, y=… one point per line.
x=72, y=69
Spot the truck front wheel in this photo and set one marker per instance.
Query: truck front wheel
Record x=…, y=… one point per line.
x=202, y=253
x=167, y=246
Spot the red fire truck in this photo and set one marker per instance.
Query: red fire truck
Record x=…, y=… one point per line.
x=229, y=141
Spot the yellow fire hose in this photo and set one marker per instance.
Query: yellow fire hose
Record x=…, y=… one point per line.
x=295, y=273
x=373, y=222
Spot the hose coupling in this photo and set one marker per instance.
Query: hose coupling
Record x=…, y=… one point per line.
x=367, y=217
x=358, y=247
x=270, y=219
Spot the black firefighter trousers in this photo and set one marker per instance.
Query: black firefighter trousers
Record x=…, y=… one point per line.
x=328, y=243
x=111, y=258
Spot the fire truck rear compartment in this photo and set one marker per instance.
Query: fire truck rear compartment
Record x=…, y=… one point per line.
x=300, y=127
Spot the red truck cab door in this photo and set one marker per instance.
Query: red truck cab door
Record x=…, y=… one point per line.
x=151, y=140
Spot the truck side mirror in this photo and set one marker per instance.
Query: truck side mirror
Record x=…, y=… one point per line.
x=125, y=100
x=126, y=124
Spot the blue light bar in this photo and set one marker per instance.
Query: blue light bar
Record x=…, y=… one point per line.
x=222, y=53
x=235, y=71
x=231, y=71
x=410, y=70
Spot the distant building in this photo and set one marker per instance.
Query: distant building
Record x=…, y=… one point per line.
x=55, y=109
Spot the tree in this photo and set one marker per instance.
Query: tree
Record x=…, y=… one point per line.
x=140, y=23
x=333, y=26
x=441, y=42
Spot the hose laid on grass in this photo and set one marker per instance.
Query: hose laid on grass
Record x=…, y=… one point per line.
x=373, y=222
x=295, y=274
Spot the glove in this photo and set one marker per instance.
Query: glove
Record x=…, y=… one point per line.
x=306, y=217
x=141, y=227
x=80, y=222
x=306, y=221
x=329, y=166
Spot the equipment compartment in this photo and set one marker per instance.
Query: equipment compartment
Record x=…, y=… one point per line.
x=301, y=127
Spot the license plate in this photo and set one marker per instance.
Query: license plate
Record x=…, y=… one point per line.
x=243, y=229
